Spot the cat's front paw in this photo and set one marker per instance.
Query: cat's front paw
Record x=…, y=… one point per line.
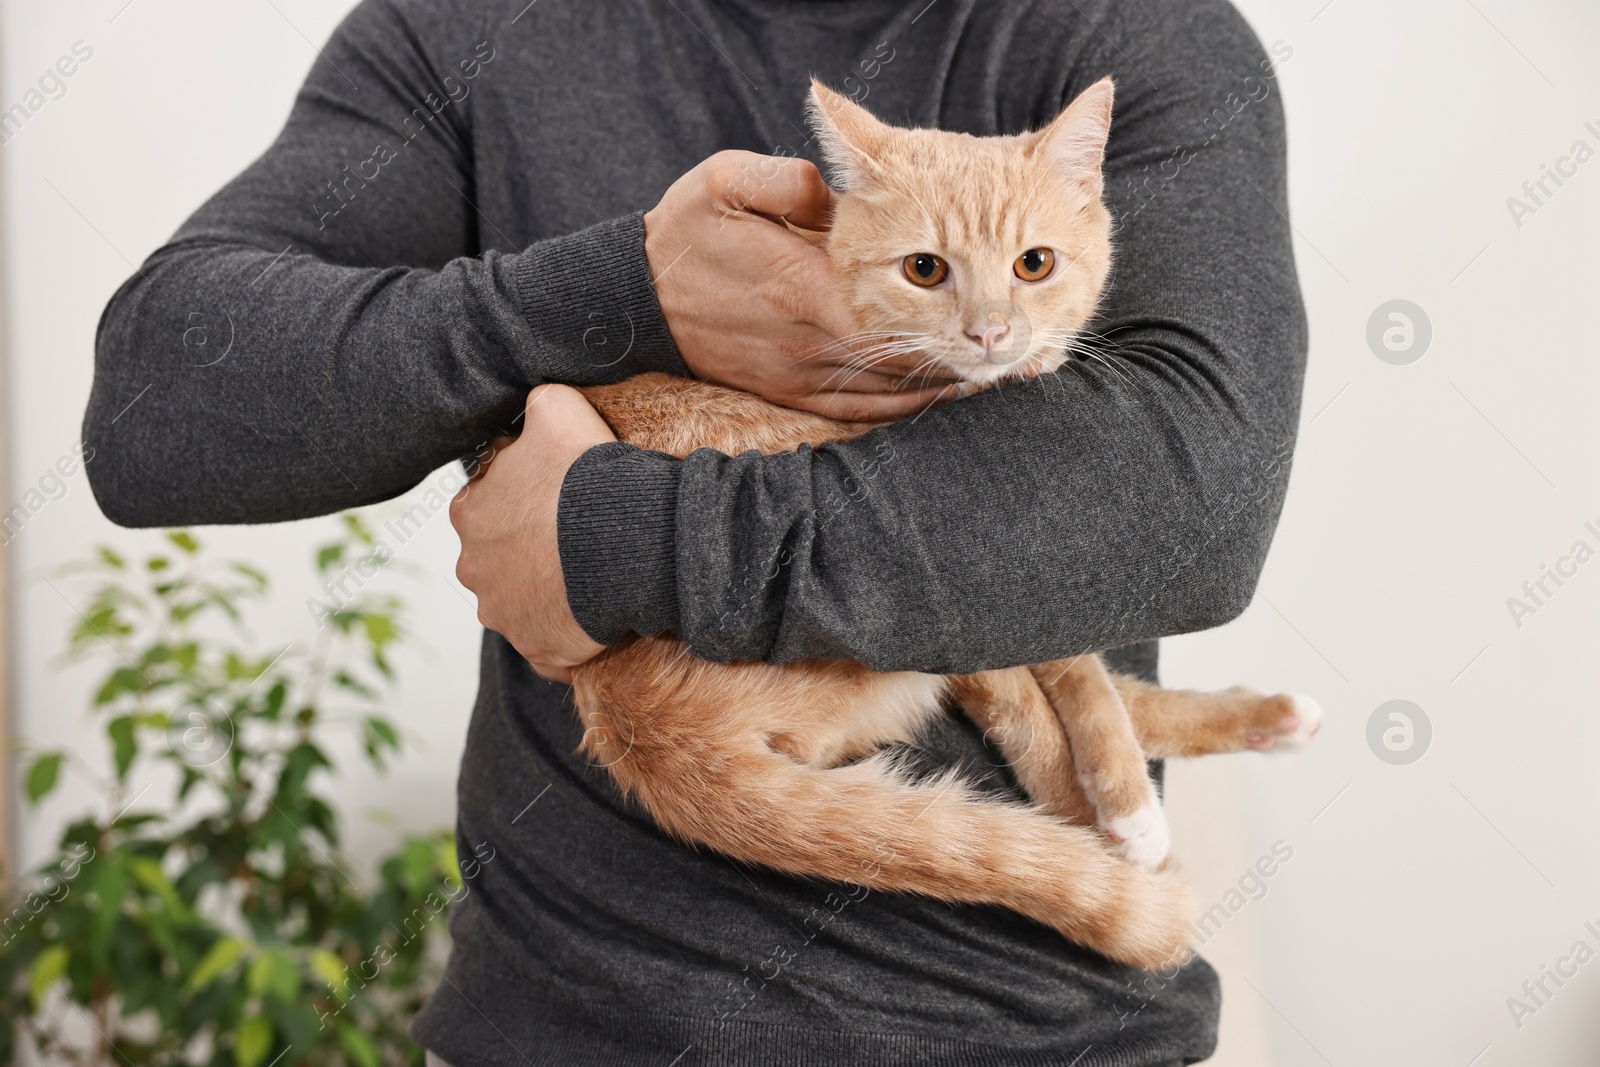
x=1293, y=730
x=1143, y=838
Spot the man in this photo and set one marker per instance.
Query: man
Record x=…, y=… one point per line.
x=454, y=216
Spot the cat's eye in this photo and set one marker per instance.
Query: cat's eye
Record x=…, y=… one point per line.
x=924, y=269
x=1034, y=265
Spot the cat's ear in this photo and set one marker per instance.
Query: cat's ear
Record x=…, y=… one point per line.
x=1075, y=143
x=850, y=137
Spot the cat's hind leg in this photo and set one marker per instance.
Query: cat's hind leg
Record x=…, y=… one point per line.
x=863, y=823
x=1016, y=718
x=676, y=735
x=1108, y=759
x=1178, y=722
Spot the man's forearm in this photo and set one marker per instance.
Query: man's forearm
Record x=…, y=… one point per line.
x=219, y=399
x=291, y=353
x=1100, y=506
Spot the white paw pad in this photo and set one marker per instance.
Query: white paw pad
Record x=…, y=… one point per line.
x=1143, y=838
x=1295, y=731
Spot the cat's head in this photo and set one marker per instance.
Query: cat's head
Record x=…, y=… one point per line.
x=987, y=254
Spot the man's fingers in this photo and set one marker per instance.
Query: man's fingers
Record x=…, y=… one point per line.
x=810, y=294
x=876, y=379
x=916, y=368
x=835, y=340
x=875, y=407
x=479, y=464
x=552, y=672
x=776, y=186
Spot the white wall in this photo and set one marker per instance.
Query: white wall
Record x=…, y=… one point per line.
x=1423, y=496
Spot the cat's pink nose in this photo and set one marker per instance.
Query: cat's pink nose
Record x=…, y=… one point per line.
x=991, y=336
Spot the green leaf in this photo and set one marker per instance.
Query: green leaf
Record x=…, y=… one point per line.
x=48, y=966
x=273, y=973
x=191, y=778
x=253, y=573
x=377, y=734
x=182, y=613
x=357, y=527
x=418, y=859
x=150, y=874
x=328, y=555
x=110, y=558
x=253, y=1042
x=275, y=697
x=42, y=776
x=184, y=540
x=358, y=1046
x=108, y=886
x=157, y=564
x=299, y=762
x=225, y=602
x=121, y=680
x=126, y=745
x=381, y=629
x=331, y=969
x=345, y=680
x=384, y=730
x=101, y=623
x=215, y=963
x=445, y=857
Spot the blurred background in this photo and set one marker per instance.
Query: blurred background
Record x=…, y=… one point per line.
x=1442, y=849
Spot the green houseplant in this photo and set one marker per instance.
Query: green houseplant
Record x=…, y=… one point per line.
x=204, y=915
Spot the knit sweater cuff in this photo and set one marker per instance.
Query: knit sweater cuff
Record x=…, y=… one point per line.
x=616, y=531
x=592, y=305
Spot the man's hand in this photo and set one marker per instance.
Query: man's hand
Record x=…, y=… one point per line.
x=506, y=519
x=754, y=306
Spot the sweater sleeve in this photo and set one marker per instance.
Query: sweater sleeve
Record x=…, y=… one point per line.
x=1123, y=498
x=328, y=328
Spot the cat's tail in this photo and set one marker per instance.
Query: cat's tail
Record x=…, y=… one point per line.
x=865, y=823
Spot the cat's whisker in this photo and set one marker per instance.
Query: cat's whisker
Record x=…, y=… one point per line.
x=1077, y=345
x=1121, y=373
x=851, y=371
x=846, y=341
x=931, y=363
x=870, y=357
x=925, y=369
x=879, y=355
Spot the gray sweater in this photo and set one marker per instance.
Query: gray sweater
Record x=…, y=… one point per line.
x=452, y=215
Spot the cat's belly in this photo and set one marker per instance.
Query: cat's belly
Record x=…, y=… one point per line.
x=678, y=415
x=889, y=708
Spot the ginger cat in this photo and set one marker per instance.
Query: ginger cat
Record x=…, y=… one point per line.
x=988, y=255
